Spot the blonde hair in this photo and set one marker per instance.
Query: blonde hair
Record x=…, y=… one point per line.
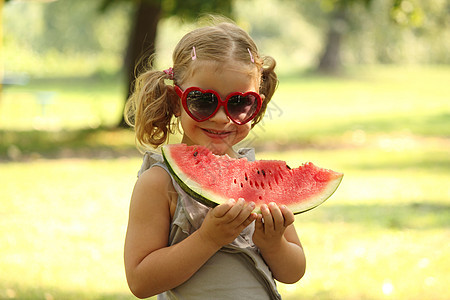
x=152, y=106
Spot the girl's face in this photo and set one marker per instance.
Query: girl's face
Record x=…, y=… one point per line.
x=218, y=133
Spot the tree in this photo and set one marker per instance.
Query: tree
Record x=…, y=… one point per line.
x=146, y=17
x=339, y=15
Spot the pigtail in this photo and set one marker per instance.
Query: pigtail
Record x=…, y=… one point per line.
x=150, y=109
x=269, y=83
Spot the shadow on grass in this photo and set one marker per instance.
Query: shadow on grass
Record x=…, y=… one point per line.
x=419, y=216
x=86, y=143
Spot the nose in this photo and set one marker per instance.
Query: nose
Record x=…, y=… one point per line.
x=220, y=116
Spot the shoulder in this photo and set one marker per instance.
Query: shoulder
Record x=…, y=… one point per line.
x=154, y=177
x=153, y=192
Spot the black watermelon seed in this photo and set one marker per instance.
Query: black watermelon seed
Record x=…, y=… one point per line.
x=195, y=153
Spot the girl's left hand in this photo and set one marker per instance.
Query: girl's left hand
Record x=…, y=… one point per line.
x=270, y=226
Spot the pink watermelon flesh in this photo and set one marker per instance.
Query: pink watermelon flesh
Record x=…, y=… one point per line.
x=213, y=179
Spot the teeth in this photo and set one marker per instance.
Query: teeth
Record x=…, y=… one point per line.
x=215, y=132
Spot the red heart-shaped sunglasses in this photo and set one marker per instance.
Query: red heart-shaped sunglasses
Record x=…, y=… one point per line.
x=201, y=104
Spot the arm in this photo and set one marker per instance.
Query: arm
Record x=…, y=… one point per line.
x=279, y=244
x=151, y=266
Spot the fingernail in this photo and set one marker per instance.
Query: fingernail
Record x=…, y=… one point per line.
x=241, y=201
x=232, y=201
x=252, y=205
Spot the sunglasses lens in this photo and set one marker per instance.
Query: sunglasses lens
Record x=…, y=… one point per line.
x=201, y=105
x=242, y=108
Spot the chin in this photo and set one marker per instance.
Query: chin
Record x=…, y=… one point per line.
x=220, y=148
x=217, y=149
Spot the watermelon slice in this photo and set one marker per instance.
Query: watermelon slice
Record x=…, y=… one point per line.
x=212, y=179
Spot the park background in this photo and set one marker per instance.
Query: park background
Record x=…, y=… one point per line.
x=375, y=107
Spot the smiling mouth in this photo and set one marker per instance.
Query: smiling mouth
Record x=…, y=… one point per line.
x=215, y=132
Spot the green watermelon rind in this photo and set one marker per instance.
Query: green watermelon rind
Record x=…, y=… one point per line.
x=194, y=190
x=321, y=198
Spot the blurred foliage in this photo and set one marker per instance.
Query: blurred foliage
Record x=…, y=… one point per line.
x=50, y=26
x=184, y=8
x=372, y=35
x=44, y=40
x=64, y=38
x=400, y=31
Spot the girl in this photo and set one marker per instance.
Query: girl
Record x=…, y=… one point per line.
x=175, y=246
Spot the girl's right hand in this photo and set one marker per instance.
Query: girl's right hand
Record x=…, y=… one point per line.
x=225, y=222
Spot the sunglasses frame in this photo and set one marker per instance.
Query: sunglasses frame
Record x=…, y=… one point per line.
x=183, y=96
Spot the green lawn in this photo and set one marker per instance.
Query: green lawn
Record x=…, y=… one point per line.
x=383, y=235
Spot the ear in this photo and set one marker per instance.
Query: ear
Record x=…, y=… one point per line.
x=174, y=100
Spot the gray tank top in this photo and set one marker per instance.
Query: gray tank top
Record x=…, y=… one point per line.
x=237, y=271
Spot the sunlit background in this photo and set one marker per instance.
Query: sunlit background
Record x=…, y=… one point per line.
x=364, y=89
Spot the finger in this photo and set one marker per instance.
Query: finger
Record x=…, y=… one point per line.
x=277, y=216
x=220, y=210
x=267, y=216
x=244, y=214
x=234, y=211
x=288, y=215
x=249, y=220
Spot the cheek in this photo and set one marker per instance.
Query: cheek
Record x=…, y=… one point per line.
x=186, y=121
x=246, y=127
x=243, y=131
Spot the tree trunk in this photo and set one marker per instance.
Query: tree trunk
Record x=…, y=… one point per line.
x=142, y=41
x=330, y=61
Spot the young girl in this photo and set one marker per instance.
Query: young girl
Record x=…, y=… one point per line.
x=176, y=247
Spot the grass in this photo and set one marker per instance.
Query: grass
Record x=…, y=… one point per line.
x=62, y=104
x=63, y=223
x=384, y=234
